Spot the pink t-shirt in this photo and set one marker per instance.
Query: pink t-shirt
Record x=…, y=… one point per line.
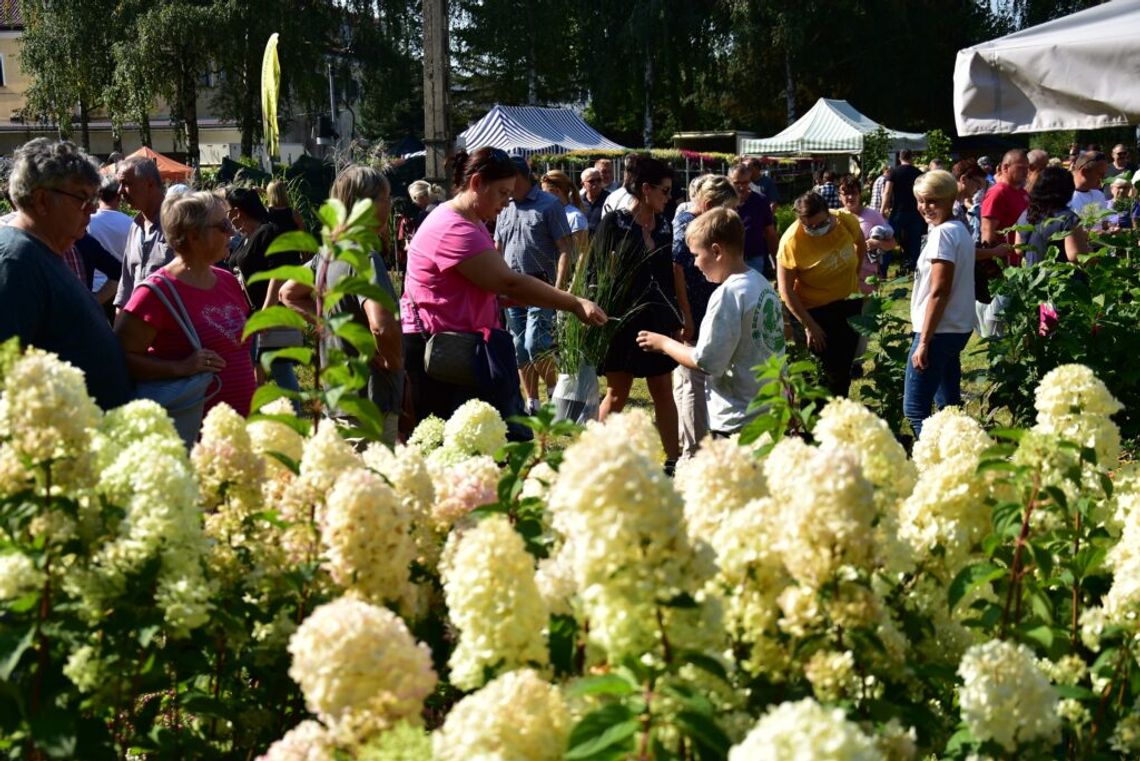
x=444, y=298
x=868, y=218
x=218, y=315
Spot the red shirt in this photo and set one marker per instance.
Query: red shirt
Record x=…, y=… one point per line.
x=218, y=315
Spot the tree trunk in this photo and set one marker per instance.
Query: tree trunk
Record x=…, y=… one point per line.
x=190, y=114
x=531, y=58
x=85, y=125
x=144, y=129
x=647, y=127
x=790, y=86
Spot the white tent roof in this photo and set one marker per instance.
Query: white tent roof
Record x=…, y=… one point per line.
x=1077, y=72
x=531, y=129
x=830, y=126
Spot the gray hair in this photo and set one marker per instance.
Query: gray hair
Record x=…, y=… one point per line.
x=589, y=172
x=44, y=163
x=357, y=183
x=419, y=189
x=1038, y=157
x=185, y=213
x=142, y=168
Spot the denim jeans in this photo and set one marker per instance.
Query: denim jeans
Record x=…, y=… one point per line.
x=940, y=383
x=532, y=329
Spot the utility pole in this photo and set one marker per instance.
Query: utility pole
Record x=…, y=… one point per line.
x=437, y=138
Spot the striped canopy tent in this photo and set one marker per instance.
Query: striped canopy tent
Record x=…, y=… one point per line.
x=530, y=129
x=830, y=126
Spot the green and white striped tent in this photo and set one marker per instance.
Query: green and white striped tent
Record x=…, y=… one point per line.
x=831, y=126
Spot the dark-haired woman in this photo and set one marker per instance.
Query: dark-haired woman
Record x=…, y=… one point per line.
x=455, y=277
x=1049, y=213
x=643, y=237
x=258, y=229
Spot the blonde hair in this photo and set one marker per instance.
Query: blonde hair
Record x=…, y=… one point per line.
x=937, y=185
x=357, y=183
x=716, y=191
x=419, y=189
x=562, y=181
x=276, y=194
x=721, y=226
x=186, y=213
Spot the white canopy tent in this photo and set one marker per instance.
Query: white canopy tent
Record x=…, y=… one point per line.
x=830, y=126
x=531, y=129
x=1077, y=72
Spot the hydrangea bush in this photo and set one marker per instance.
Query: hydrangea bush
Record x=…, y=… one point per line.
x=282, y=593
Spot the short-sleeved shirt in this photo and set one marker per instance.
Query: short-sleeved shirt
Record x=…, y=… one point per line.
x=829, y=193
x=767, y=186
x=756, y=214
x=825, y=265
x=950, y=241
x=868, y=218
x=877, y=191
x=218, y=315
x=384, y=389
x=46, y=306
x=697, y=287
x=528, y=230
x=1039, y=239
x=250, y=256
x=902, y=179
x=618, y=199
x=1082, y=199
x=109, y=228
x=1004, y=204
x=147, y=251
x=594, y=209
x=575, y=219
x=444, y=299
x=743, y=327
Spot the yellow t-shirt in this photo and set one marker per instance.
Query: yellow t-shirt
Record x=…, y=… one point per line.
x=826, y=266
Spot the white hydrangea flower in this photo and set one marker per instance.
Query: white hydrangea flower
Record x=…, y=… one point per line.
x=367, y=537
x=85, y=669
x=826, y=510
x=806, y=730
x=138, y=419
x=945, y=516
x=950, y=434
x=462, y=487
x=1068, y=669
x=1093, y=622
x=1073, y=404
x=476, y=428
x=428, y=434
x=1126, y=737
x=228, y=468
x=359, y=668
x=326, y=456
x=832, y=675
x=897, y=743
x=555, y=580
x=625, y=534
x=843, y=422
x=18, y=575
x=635, y=429
x=722, y=477
x=1123, y=599
x=266, y=436
x=492, y=599
x=516, y=716
x=538, y=481
x=45, y=412
x=308, y=741
x=407, y=471
x=1004, y=696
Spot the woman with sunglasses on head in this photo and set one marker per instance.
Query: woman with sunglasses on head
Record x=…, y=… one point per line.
x=198, y=229
x=642, y=236
x=817, y=269
x=455, y=278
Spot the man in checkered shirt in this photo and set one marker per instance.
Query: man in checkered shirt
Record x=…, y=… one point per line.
x=877, y=187
x=829, y=191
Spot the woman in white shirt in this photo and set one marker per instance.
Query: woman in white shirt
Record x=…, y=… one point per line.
x=559, y=185
x=942, y=303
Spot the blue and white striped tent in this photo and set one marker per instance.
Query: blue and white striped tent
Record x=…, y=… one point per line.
x=830, y=126
x=530, y=129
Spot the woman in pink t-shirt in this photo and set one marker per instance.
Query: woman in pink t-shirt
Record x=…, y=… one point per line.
x=196, y=226
x=455, y=277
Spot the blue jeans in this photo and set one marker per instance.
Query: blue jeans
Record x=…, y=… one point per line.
x=532, y=329
x=940, y=383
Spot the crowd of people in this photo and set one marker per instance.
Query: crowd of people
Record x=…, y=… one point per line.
x=155, y=305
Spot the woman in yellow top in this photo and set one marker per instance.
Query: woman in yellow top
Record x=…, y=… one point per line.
x=817, y=266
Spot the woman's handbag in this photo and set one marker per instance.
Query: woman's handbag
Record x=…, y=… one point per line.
x=450, y=356
x=184, y=399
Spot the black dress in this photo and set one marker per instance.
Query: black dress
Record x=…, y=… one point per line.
x=651, y=288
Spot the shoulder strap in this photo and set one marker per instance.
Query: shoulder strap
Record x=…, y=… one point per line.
x=177, y=309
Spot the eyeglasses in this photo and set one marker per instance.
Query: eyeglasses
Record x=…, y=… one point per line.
x=84, y=201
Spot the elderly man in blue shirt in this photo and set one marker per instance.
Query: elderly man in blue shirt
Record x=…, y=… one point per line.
x=534, y=238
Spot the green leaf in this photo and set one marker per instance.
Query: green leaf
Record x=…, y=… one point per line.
x=1042, y=635
x=294, y=240
x=332, y=213
x=705, y=733
x=605, y=733
x=359, y=336
x=706, y=663
x=358, y=286
x=602, y=684
x=969, y=578
x=13, y=645
x=301, y=354
x=266, y=394
x=297, y=272
x=273, y=317
x=54, y=732
x=360, y=210
x=366, y=413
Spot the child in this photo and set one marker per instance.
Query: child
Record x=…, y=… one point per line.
x=742, y=327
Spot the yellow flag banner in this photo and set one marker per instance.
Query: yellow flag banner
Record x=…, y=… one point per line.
x=270, y=88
